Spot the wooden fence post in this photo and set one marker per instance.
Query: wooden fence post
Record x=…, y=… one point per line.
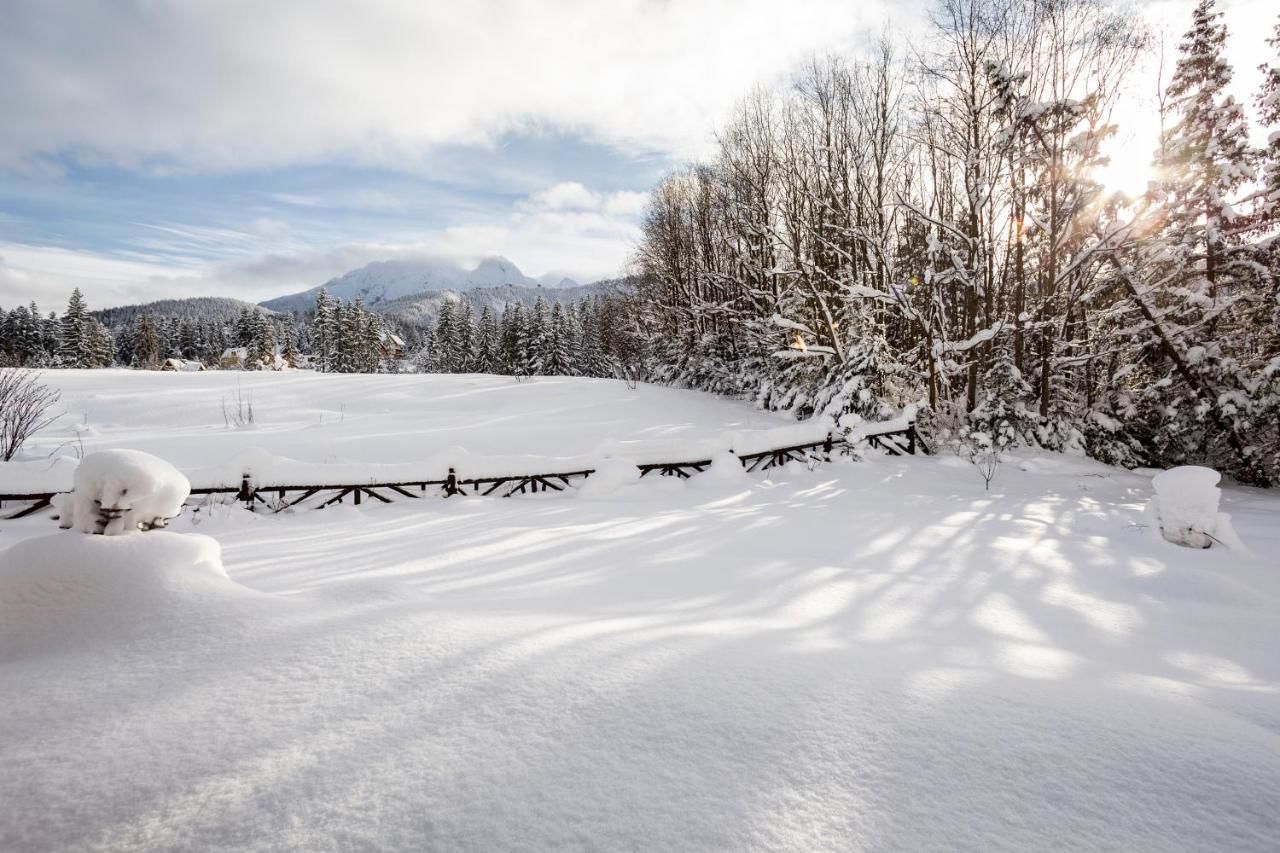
x=451, y=484
x=246, y=493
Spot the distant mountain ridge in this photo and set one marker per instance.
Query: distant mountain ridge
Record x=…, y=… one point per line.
x=383, y=282
x=219, y=309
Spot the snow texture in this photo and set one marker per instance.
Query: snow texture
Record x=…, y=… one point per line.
x=122, y=491
x=66, y=592
x=866, y=656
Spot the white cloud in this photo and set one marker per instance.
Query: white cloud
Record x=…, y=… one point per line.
x=626, y=203
x=569, y=195
x=234, y=85
x=573, y=196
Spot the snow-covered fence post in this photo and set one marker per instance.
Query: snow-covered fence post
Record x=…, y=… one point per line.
x=245, y=495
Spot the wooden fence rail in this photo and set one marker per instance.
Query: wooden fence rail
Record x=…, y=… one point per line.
x=277, y=498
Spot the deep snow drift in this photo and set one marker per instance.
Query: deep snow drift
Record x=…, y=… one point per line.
x=71, y=592
x=867, y=656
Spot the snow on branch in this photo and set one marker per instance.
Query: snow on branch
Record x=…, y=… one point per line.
x=982, y=336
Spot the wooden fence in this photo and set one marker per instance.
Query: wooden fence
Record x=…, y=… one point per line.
x=277, y=498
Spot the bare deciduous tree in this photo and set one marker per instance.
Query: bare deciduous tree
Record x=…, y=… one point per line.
x=26, y=407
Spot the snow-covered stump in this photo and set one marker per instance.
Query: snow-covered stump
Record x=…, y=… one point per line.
x=116, y=492
x=1186, y=505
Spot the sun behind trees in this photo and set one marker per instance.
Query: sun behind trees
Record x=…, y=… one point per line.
x=933, y=221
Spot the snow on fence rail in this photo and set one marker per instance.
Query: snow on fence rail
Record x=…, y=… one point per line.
x=277, y=484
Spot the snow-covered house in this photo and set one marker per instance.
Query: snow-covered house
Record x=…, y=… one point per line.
x=237, y=358
x=390, y=345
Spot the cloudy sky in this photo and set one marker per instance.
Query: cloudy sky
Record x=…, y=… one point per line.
x=153, y=149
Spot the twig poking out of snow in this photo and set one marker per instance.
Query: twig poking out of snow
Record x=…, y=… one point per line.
x=1187, y=505
x=122, y=491
x=239, y=414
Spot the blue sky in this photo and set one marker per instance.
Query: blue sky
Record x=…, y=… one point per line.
x=165, y=148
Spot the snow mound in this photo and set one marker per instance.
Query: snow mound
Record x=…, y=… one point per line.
x=611, y=474
x=62, y=591
x=1187, y=504
x=726, y=470
x=121, y=491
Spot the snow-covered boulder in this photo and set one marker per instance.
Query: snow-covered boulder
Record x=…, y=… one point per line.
x=1186, y=505
x=122, y=491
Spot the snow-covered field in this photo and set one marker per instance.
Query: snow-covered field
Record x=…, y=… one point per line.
x=868, y=656
x=382, y=418
x=400, y=426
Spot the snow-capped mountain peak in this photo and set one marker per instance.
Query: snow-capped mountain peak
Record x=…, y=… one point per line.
x=384, y=281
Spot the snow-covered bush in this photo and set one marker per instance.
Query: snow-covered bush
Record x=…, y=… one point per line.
x=1187, y=505
x=122, y=491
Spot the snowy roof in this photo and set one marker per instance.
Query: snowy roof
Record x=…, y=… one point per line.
x=385, y=336
x=236, y=352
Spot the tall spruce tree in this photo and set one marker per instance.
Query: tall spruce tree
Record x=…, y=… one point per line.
x=75, y=340
x=1204, y=159
x=488, y=346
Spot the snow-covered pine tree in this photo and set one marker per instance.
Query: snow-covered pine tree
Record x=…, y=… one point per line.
x=447, y=354
x=146, y=343
x=849, y=395
x=515, y=340
x=1264, y=313
x=1006, y=403
x=466, y=334
x=1203, y=161
x=424, y=358
x=102, y=346
x=324, y=332
x=1268, y=104
x=342, y=345
x=539, y=337
x=488, y=345
x=75, y=341
x=244, y=328
x=557, y=360
x=262, y=341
